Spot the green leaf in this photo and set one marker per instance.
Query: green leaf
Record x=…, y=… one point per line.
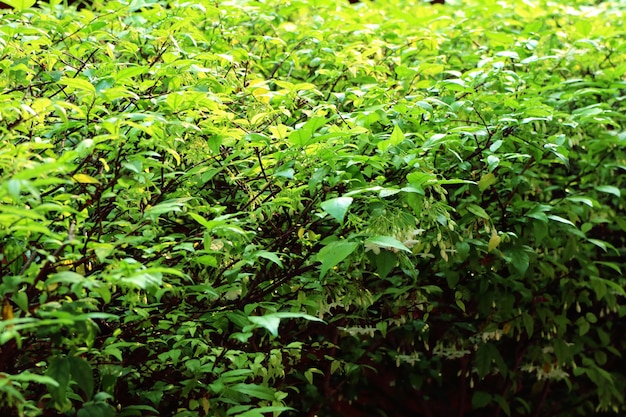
x=387, y=242
x=397, y=136
x=587, y=201
x=583, y=327
x=504, y=404
x=270, y=256
x=486, y=181
x=333, y=253
x=481, y=399
x=99, y=409
x=272, y=321
x=82, y=374
x=304, y=135
x=529, y=323
x=478, y=211
x=170, y=206
x=207, y=260
x=130, y=72
x=519, y=259
x=59, y=369
x=30, y=377
x=21, y=299
x=253, y=390
x=261, y=411
x=538, y=212
x=560, y=219
x=337, y=207
x=562, y=351
x=583, y=27
x=78, y=84
x=204, y=222
x=385, y=261
x=610, y=189
x=418, y=179
x=269, y=322
x=20, y=4
x=485, y=355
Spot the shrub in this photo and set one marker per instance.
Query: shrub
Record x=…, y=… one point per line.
x=253, y=208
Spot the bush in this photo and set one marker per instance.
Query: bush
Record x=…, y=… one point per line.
x=254, y=208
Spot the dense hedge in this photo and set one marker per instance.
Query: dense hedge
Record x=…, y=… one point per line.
x=247, y=208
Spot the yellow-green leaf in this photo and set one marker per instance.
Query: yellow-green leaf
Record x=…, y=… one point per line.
x=20, y=4
x=85, y=179
x=493, y=242
x=78, y=84
x=486, y=181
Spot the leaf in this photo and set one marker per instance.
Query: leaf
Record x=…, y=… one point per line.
x=174, y=205
x=333, y=253
x=529, y=323
x=98, y=409
x=397, y=136
x=268, y=322
x=207, y=260
x=78, y=84
x=583, y=326
x=260, y=411
x=385, y=261
x=614, y=266
x=587, y=201
x=337, y=207
x=65, y=277
x=583, y=27
x=599, y=243
x=508, y=54
x=538, y=212
x=204, y=222
x=478, y=211
x=20, y=4
x=130, y=72
x=82, y=374
x=462, y=250
x=308, y=374
x=303, y=135
x=481, y=399
x=418, y=178
x=560, y=219
x=486, y=181
x=494, y=241
x=21, y=299
x=519, y=259
x=610, y=189
x=272, y=321
x=504, y=404
x=85, y=179
x=270, y=256
x=387, y=242
x=30, y=377
x=59, y=369
x=485, y=356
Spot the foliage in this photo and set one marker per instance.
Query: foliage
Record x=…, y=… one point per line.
x=245, y=208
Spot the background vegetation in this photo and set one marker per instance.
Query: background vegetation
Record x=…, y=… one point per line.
x=254, y=208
